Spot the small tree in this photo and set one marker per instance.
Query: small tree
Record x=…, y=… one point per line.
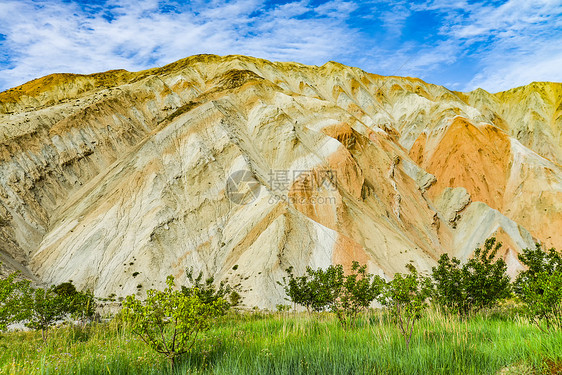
x=345, y=295
x=479, y=283
x=170, y=321
x=12, y=292
x=354, y=292
x=316, y=289
x=540, y=286
x=44, y=307
x=406, y=297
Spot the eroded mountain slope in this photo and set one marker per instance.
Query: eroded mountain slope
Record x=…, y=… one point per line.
x=118, y=179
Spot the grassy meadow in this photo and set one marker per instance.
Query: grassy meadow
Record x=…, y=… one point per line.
x=298, y=343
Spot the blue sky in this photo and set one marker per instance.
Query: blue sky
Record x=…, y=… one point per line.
x=460, y=44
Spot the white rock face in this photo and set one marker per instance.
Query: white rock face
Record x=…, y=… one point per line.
x=119, y=179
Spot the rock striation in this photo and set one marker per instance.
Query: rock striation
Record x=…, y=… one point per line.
x=241, y=167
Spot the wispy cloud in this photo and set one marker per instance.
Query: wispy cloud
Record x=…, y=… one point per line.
x=514, y=43
x=525, y=43
x=57, y=36
x=544, y=64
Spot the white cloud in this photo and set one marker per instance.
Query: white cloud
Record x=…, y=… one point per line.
x=56, y=36
x=514, y=15
x=503, y=74
x=336, y=9
x=520, y=41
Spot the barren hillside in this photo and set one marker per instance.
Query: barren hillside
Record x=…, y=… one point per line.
x=117, y=179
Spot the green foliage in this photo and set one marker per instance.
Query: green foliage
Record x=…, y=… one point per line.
x=345, y=295
x=66, y=289
x=208, y=292
x=540, y=286
x=41, y=308
x=169, y=321
x=315, y=290
x=44, y=307
x=282, y=308
x=354, y=292
x=479, y=283
x=11, y=299
x=234, y=298
x=81, y=305
x=405, y=296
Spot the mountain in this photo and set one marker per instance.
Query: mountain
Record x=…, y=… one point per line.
x=241, y=167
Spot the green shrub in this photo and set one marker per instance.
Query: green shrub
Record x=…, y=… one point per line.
x=479, y=283
x=12, y=291
x=315, y=290
x=80, y=305
x=540, y=286
x=331, y=289
x=282, y=308
x=208, y=292
x=354, y=292
x=44, y=307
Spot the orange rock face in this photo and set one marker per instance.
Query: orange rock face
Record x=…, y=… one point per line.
x=475, y=157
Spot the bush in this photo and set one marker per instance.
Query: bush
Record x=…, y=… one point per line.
x=41, y=308
x=169, y=321
x=209, y=293
x=354, y=292
x=479, y=283
x=81, y=305
x=11, y=299
x=315, y=290
x=345, y=295
x=540, y=286
x=405, y=296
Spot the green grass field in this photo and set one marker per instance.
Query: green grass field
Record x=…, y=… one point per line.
x=256, y=343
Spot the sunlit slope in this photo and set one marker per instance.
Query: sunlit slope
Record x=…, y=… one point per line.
x=117, y=174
